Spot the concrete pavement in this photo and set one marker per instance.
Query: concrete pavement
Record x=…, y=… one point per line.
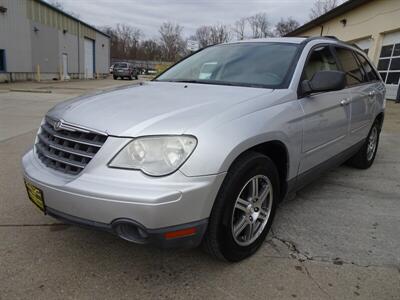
x=338, y=238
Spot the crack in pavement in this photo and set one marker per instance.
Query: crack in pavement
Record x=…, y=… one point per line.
x=315, y=281
x=295, y=253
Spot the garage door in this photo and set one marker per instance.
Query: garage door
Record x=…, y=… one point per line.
x=364, y=44
x=389, y=64
x=89, y=58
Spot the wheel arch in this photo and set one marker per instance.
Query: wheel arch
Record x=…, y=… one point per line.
x=278, y=152
x=379, y=118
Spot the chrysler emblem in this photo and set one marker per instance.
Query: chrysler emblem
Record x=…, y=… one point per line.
x=57, y=125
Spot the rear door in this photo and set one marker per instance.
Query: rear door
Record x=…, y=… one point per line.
x=362, y=94
x=326, y=115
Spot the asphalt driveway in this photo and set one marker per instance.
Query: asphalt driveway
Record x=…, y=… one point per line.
x=338, y=238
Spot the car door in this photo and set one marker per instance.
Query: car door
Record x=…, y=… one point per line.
x=362, y=94
x=326, y=114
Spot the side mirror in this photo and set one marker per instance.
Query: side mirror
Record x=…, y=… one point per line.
x=324, y=81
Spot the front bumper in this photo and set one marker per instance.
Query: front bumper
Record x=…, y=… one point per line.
x=100, y=196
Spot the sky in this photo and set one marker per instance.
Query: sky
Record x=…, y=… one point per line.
x=149, y=14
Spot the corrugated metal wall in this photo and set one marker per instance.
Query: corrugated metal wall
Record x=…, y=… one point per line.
x=15, y=36
x=36, y=36
x=43, y=14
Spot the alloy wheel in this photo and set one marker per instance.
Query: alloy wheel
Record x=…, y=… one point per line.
x=252, y=210
x=372, y=143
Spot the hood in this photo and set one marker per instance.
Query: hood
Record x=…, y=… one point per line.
x=153, y=108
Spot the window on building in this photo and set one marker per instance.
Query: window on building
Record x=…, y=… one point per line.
x=2, y=60
x=389, y=63
x=386, y=51
x=354, y=75
x=321, y=59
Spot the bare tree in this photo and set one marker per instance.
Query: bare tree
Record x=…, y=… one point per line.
x=283, y=27
x=151, y=50
x=239, y=28
x=321, y=7
x=260, y=26
x=203, y=36
x=129, y=37
x=171, y=40
x=219, y=34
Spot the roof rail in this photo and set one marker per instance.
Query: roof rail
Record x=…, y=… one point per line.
x=326, y=37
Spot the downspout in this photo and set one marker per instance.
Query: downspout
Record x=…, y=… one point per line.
x=79, y=58
x=322, y=30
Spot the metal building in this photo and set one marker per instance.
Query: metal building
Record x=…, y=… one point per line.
x=41, y=42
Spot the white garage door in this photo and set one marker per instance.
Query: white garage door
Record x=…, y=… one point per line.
x=364, y=44
x=89, y=58
x=389, y=63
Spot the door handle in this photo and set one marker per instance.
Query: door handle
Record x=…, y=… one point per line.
x=344, y=102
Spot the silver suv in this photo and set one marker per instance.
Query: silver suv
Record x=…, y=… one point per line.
x=206, y=151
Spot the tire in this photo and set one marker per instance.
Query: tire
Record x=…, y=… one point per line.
x=227, y=213
x=365, y=157
x=115, y=77
x=136, y=77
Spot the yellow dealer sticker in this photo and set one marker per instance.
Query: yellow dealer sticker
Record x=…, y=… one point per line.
x=35, y=195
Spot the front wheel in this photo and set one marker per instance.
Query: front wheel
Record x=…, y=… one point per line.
x=364, y=158
x=244, y=208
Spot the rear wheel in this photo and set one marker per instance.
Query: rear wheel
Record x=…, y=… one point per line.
x=244, y=209
x=115, y=77
x=364, y=158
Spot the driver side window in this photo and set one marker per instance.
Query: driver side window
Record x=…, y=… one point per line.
x=321, y=59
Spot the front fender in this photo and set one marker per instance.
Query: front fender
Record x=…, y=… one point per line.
x=219, y=145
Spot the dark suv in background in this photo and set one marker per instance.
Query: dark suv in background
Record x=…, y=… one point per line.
x=125, y=70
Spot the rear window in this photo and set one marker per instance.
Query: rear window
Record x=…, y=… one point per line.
x=120, y=65
x=354, y=75
x=371, y=74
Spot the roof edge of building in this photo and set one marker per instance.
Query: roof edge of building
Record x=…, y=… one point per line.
x=337, y=11
x=72, y=17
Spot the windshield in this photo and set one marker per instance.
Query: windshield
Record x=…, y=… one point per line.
x=248, y=64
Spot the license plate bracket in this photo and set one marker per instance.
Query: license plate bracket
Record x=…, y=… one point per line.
x=35, y=195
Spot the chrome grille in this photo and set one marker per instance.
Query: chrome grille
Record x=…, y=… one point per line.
x=68, y=148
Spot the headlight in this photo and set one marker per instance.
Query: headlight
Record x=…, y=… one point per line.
x=155, y=155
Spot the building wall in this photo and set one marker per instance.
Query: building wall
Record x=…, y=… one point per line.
x=35, y=36
x=15, y=36
x=369, y=21
x=102, y=57
x=44, y=45
x=68, y=44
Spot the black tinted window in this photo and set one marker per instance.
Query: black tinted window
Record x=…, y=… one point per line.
x=386, y=51
x=393, y=78
x=2, y=60
x=354, y=74
x=321, y=59
x=120, y=66
x=395, y=64
x=396, y=51
x=383, y=64
x=370, y=72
